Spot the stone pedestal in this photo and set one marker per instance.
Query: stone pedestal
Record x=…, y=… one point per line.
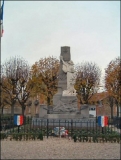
x=60, y=114
x=57, y=96
x=43, y=111
x=65, y=104
x=83, y=113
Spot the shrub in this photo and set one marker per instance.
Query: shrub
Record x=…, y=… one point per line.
x=80, y=137
x=40, y=136
x=75, y=137
x=3, y=136
x=95, y=138
x=85, y=138
x=15, y=136
x=33, y=136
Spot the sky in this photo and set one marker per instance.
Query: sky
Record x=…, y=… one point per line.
x=38, y=29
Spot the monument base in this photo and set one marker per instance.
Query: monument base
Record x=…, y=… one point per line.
x=82, y=113
x=65, y=104
x=65, y=116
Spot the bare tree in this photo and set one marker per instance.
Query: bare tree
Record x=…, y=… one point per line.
x=16, y=72
x=3, y=100
x=87, y=80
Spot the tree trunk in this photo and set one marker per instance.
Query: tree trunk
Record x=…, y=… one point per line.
x=23, y=113
x=48, y=103
x=23, y=109
x=12, y=109
x=117, y=110
x=111, y=106
x=2, y=111
x=111, y=112
x=117, y=104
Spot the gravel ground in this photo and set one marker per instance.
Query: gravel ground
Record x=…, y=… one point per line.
x=58, y=148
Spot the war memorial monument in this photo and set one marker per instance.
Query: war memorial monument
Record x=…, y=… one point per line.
x=65, y=103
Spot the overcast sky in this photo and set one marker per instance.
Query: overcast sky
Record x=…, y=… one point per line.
x=37, y=29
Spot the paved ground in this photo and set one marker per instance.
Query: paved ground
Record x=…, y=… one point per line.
x=58, y=148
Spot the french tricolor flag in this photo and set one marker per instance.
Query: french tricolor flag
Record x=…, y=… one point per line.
x=18, y=120
x=1, y=18
x=103, y=121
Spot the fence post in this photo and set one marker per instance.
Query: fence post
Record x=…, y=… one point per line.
x=24, y=124
x=71, y=127
x=68, y=127
x=59, y=127
x=30, y=123
x=47, y=127
x=65, y=124
x=40, y=124
x=93, y=126
x=12, y=120
x=87, y=125
x=18, y=128
x=10, y=123
x=75, y=125
x=102, y=130
x=96, y=122
x=53, y=123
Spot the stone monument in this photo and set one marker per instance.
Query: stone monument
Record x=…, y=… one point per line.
x=65, y=100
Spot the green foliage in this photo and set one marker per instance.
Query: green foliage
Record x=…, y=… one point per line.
x=3, y=136
x=33, y=136
x=95, y=138
x=15, y=136
x=75, y=137
x=40, y=136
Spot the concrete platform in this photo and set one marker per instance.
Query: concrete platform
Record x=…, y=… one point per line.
x=83, y=113
x=63, y=116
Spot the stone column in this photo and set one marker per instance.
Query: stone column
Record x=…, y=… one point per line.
x=62, y=83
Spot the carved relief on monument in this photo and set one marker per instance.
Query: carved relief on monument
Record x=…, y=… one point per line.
x=68, y=68
x=69, y=106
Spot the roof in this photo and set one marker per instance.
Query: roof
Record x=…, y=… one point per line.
x=99, y=96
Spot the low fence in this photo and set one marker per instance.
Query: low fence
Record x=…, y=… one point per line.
x=46, y=126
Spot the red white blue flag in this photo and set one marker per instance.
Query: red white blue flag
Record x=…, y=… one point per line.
x=1, y=19
x=18, y=120
x=103, y=121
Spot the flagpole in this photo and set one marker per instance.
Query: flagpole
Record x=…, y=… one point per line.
x=1, y=18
